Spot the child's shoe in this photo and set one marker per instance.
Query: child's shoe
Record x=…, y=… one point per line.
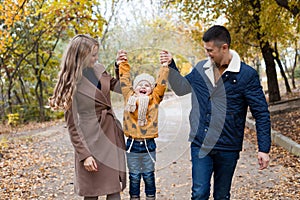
x=150, y=197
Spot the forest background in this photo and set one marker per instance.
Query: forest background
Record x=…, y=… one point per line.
x=34, y=34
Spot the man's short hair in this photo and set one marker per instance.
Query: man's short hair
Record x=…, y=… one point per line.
x=218, y=34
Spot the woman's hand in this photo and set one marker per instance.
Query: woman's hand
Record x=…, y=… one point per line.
x=90, y=164
x=121, y=56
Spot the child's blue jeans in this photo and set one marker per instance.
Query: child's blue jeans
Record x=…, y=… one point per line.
x=140, y=162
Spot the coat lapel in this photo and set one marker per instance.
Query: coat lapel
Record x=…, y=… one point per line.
x=105, y=84
x=87, y=88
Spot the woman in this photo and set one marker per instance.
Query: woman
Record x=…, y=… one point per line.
x=83, y=92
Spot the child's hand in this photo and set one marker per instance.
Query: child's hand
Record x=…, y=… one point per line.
x=121, y=56
x=165, y=57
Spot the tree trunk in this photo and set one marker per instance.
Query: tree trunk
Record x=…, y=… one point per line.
x=273, y=88
x=2, y=100
x=295, y=65
x=266, y=51
x=23, y=91
x=9, y=91
x=286, y=82
x=18, y=99
x=39, y=95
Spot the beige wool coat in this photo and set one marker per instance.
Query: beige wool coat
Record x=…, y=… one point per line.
x=94, y=131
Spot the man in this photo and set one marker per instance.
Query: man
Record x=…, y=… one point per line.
x=222, y=89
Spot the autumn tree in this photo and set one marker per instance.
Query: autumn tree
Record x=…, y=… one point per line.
x=31, y=31
x=292, y=6
x=10, y=16
x=144, y=32
x=64, y=20
x=252, y=25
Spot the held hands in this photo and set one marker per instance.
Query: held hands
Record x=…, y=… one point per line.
x=263, y=160
x=121, y=56
x=165, y=58
x=90, y=164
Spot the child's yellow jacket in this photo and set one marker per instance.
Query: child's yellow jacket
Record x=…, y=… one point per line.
x=130, y=120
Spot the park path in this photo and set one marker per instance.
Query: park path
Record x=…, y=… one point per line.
x=173, y=166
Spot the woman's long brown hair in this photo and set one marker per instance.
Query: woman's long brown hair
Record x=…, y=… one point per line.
x=75, y=59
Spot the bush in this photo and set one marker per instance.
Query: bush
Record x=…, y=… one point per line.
x=13, y=119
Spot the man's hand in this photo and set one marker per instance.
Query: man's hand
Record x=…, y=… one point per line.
x=165, y=57
x=121, y=56
x=90, y=164
x=263, y=160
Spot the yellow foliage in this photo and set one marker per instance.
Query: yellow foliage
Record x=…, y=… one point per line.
x=13, y=119
x=20, y=2
x=53, y=16
x=186, y=68
x=3, y=142
x=10, y=14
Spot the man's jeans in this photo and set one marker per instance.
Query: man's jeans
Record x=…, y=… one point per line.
x=140, y=165
x=221, y=163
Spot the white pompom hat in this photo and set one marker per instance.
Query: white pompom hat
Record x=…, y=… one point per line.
x=144, y=77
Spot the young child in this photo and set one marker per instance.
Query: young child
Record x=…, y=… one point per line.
x=140, y=124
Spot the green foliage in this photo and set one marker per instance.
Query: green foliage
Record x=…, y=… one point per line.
x=255, y=27
x=29, y=33
x=276, y=24
x=33, y=35
x=54, y=114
